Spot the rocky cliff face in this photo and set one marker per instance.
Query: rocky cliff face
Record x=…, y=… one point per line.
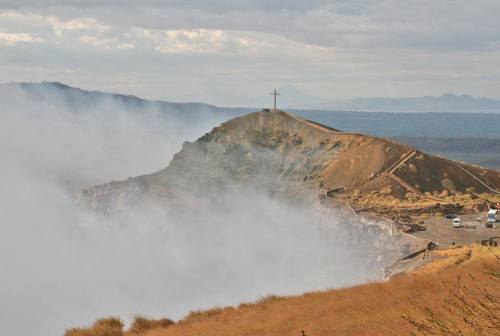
x=286, y=157
x=281, y=154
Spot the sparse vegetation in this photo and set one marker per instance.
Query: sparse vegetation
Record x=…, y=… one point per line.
x=141, y=324
x=200, y=314
x=111, y=326
x=416, y=205
x=455, y=294
x=270, y=299
x=473, y=310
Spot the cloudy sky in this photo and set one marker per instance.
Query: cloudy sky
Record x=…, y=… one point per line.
x=184, y=50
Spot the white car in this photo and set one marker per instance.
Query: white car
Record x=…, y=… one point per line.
x=491, y=218
x=456, y=222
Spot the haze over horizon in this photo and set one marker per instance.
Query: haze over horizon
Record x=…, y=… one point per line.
x=192, y=51
x=292, y=98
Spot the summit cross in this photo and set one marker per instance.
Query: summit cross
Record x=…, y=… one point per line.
x=275, y=94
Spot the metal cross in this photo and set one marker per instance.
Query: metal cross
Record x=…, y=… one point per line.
x=275, y=94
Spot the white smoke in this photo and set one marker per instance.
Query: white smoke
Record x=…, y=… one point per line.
x=62, y=266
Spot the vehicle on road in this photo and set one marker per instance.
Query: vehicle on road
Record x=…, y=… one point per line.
x=491, y=218
x=457, y=222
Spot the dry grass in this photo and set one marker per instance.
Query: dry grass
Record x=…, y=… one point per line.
x=389, y=205
x=111, y=326
x=472, y=303
x=196, y=315
x=374, y=309
x=114, y=327
x=446, y=297
x=416, y=205
x=142, y=324
x=270, y=298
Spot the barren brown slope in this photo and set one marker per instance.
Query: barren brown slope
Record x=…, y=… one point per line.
x=375, y=309
x=457, y=293
x=433, y=174
x=286, y=154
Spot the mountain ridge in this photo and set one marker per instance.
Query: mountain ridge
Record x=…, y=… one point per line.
x=125, y=97
x=294, y=152
x=447, y=102
x=293, y=98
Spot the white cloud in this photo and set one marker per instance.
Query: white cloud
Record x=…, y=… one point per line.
x=195, y=41
x=12, y=19
x=106, y=43
x=216, y=41
x=12, y=39
x=79, y=24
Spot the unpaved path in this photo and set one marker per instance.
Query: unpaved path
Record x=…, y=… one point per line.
x=478, y=179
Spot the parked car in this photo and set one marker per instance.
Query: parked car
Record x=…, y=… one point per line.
x=491, y=218
x=457, y=222
x=450, y=216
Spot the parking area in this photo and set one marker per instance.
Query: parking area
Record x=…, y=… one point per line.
x=441, y=230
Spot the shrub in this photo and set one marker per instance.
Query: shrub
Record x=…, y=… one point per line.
x=197, y=314
x=110, y=322
x=78, y=332
x=269, y=299
x=111, y=326
x=141, y=324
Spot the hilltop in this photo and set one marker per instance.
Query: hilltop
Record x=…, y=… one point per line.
x=294, y=158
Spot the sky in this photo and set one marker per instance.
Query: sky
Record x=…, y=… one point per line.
x=209, y=51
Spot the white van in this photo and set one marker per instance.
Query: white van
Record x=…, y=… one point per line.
x=456, y=222
x=491, y=218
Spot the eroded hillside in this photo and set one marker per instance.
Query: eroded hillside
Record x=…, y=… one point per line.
x=294, y=158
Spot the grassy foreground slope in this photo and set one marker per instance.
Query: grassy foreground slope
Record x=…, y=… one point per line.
x=456, y=292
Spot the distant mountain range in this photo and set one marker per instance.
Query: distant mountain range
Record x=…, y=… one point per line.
x=476, y=135
x=58, y=95
x=445, y=103
x=292, y=98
